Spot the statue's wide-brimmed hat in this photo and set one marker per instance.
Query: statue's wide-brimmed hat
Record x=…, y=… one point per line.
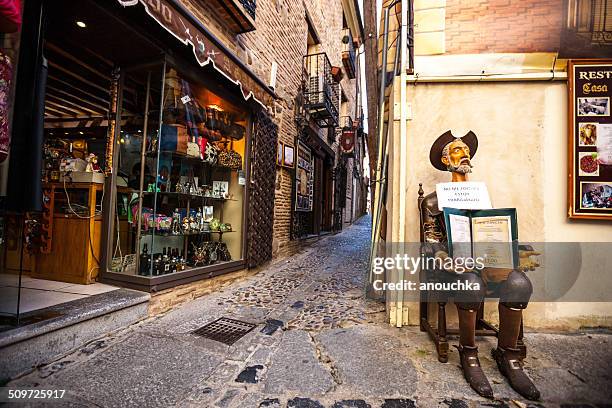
x=435, y=154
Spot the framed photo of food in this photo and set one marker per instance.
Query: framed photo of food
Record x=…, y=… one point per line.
x=590, y=139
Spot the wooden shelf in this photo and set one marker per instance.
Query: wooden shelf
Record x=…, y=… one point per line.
x=182, y=234
x=190, y=196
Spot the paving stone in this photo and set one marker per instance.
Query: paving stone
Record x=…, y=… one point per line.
x=304, y=403
x=456, y=403
x=398, y=403
x=270, y=403
x=271, y=326
x=250, y=374
x=368, y=361
x=294, y=367
x=229, y=396
x=224, y=373
x=261, y=356
x=351, y=404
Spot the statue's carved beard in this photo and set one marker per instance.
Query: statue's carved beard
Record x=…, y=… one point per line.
x=463, y=167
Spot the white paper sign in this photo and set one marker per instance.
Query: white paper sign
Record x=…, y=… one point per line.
x=468, y=195
x=185, y=99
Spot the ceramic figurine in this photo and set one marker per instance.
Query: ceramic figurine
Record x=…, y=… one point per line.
x=176, y=222
x=193, y=225
x=185, y=224
x=92, y=164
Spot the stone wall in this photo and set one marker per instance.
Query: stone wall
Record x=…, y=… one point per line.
x=281, y=36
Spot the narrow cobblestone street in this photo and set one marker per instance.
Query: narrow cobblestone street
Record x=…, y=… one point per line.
x=318, y=343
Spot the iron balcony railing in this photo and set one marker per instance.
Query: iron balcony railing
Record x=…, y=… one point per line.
x=346, y=122
x=250, y=6
x=591, y=19
x=348, y=53
x=321, y=92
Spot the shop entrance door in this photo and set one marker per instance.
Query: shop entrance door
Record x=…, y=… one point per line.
x=327, y=199
x=318, y=196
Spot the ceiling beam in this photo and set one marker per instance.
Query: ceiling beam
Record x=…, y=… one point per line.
x=70, y=96
x=63, y=102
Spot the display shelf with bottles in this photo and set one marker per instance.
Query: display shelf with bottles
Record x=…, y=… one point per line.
x=186, y=171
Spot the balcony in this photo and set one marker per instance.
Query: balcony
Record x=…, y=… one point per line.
x=588, y=31
x=593, y=19
x=321, y=92
x=239, y=15
x=346, y=123
x=348, y=53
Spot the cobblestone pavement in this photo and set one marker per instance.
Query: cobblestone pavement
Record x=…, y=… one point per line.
x=318, y=343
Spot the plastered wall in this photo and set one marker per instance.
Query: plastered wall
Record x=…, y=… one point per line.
x=522, y=157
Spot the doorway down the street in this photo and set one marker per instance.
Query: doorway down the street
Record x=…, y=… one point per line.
x=316, y=342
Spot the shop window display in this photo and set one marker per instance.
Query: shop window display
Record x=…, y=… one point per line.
x=180, y=196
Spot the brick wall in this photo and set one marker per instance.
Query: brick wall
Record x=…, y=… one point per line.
x=281, y=36
x=498, y=26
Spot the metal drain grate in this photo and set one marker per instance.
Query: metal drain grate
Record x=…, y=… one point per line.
x=225, y=330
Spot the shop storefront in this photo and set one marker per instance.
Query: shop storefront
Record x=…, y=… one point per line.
x=314, y=186
x=10, y=30
x=152, y=138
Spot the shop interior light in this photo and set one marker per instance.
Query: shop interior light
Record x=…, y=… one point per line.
x=81, y=132
x=216, y=107
x=81, y=24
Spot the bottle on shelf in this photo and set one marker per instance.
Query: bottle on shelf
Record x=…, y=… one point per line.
x=145, y=261
x=157, y=265
x=165, y=263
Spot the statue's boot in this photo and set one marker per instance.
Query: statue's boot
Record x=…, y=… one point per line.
x=511, y=366
x=473, y=372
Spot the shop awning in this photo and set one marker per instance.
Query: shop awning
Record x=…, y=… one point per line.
x=179, y=22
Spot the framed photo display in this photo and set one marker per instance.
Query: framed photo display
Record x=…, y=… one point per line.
x=304, y=179
x=590, y=139
x=288, y=156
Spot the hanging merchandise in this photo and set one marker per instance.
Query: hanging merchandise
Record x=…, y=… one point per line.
x=229, y=157
x=6, y=73
x=236, y=131
x=211, y=154
x=202, y=142
x=193, y=148
x=174, y=109
x=10, y=16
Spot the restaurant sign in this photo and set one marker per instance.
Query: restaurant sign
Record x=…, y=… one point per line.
x=204, y=49
x=590, y=139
